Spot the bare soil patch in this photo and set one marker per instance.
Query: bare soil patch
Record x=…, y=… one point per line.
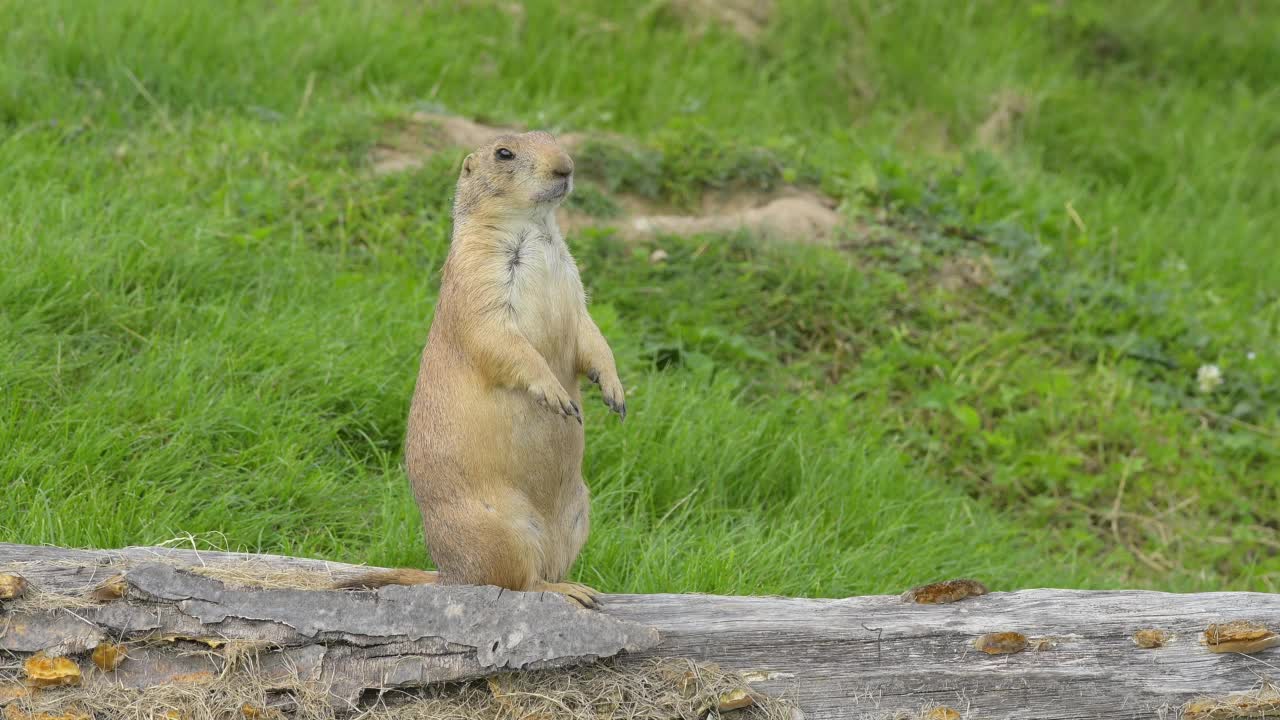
x=747, y=18
x=790, y=214
x=1008, y=110
x=961, y=272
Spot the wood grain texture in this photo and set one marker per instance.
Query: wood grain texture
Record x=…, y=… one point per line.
x=861, y=657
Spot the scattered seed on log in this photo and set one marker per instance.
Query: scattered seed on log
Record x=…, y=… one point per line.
x=113, y=588
x=253, y=712
x=944, y=592
x=108, y=656
x=734, y=700
x=1001, y=643
x=43, y=671
x=1044, y=643
x=1150, y=638
x=1239, y=636
x=12, y=586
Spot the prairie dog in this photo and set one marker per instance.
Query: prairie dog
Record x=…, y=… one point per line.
x=495, y=436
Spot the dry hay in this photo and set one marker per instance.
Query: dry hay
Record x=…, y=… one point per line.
x=262, y=576
x=664, y=689
x=1261, y=702
x=33, y=598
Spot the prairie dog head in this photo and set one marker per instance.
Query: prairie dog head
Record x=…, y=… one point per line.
x=514, y=175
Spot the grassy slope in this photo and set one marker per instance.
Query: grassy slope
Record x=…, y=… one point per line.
x=210, y=313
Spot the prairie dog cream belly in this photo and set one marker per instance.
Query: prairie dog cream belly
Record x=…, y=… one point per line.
x=544, y=295
x=537, y=451
x=545, y=298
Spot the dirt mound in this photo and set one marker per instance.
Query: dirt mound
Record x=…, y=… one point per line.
x=426, y=134
x=1008, y=109
x=790, y=214
x=793, y=215
x=747, y=18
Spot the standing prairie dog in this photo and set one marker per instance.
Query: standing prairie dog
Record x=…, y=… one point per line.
x=495, y=436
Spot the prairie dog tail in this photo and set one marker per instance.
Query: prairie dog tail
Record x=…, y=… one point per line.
x=381, y=578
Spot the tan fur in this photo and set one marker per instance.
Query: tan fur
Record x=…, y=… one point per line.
x=495, y=436
x=378, y=578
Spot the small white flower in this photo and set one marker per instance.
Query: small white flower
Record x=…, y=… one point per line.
x=1175, y=263
x=1209, y=377
x=1252, y=355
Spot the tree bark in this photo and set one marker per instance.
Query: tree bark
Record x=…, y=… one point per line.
x=863, y=657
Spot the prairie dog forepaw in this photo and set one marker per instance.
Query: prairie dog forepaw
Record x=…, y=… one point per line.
x=611, y=391
x=553, y=396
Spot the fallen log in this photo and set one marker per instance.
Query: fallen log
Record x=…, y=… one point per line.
x=186, y=618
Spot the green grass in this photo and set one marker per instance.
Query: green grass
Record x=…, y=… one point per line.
x=211, y=311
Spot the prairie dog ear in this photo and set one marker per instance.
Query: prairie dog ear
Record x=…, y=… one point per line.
x=467, y=163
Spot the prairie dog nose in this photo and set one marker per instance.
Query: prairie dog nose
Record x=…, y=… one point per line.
x=562, y=166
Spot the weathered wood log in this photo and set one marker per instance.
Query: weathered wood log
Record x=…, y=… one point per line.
x=351, y=641
x=1078, y=654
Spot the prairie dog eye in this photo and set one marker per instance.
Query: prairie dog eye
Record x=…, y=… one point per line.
x=504, y=154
